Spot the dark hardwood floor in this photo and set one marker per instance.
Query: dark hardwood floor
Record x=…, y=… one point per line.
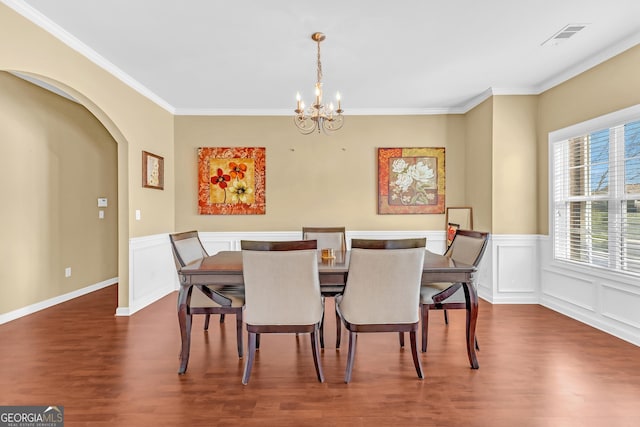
x=537, y=368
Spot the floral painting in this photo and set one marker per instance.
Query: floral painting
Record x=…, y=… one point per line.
x=231, y=180
x=411, y=180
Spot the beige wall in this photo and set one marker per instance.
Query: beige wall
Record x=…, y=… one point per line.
x=478, y=165
x=56, y=159
x=316, y=179
x=611, y=86
x=514, y=167
x=135, y=122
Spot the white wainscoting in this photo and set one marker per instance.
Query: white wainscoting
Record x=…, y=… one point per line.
x=516, y=269
x=152, y=273
x=599, y=298
x=508, y=273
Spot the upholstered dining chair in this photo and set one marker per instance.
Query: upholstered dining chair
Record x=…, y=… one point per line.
x=328, y=238
x=467, y=247
x=187, y=248
x=282, y=293
x=420, y=242
x=382, y=295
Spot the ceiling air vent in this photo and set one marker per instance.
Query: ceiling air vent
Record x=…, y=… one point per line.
x=564, y=34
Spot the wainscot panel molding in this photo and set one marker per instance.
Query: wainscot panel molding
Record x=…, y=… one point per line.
x=152, y=272
x=605, y=300
x=33, y=308
x=516, y=269
x=508, y=273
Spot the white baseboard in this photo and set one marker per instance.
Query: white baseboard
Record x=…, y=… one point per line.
x=33, y=308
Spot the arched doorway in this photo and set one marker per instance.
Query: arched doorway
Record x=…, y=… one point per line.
x=61, y=197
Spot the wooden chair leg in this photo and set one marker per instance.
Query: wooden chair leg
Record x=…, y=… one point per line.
x=338, y=330
x=249, y=361
x=401, y=336
x=206, y=321
x=425, y=326
x=316, y=355
x=239, y=333
x=414, y=353
x=322, y=331
x=351, y=356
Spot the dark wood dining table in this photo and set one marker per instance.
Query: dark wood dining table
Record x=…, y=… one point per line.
x=225, y=268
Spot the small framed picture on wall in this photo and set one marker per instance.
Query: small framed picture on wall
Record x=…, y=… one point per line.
x=152, y=171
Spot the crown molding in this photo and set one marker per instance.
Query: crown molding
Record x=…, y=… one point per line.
x=43, y=22
x=58, y=32
x=289, y=112
x=233, y=112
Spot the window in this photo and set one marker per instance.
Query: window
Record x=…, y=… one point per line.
x=596, y=194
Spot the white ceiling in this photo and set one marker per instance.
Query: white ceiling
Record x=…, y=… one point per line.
x=401, y=57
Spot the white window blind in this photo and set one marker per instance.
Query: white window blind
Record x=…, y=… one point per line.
x=596, y=198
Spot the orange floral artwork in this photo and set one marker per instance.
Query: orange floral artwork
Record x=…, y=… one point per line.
x=231, y=181
x=411, y=180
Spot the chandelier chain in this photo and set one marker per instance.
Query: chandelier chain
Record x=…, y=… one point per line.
x=319, y=65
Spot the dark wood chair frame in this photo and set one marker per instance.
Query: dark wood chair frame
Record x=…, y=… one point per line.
x=439, y=299
x=400, y=328
x=216, y=296
x=254, y=331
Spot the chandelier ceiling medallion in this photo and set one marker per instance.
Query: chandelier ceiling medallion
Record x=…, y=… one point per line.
x=318, y=116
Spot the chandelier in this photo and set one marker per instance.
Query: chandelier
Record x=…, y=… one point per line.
x=318, y=116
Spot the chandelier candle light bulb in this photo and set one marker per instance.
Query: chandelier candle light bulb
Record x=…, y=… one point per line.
x=319, y=116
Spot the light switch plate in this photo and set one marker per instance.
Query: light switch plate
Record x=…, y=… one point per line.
x=102, y=202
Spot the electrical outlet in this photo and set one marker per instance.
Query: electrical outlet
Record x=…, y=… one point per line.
x=67, y=272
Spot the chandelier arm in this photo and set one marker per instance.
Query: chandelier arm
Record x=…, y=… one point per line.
x=331, y=125
x=305, y=125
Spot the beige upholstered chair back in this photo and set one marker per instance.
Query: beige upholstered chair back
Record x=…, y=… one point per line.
x=187, y=248
x=468, y=247
x=327, y=237
x=281, y=287
x=383, y=286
